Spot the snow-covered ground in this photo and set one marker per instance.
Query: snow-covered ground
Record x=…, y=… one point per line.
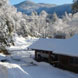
x=20, y=64
x=8, y=70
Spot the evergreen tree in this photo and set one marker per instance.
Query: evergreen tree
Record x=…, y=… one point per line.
x=75, y=6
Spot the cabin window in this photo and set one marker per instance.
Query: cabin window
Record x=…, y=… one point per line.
x=73, y=60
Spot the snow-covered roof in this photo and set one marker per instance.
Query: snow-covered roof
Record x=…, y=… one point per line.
x=59, y=46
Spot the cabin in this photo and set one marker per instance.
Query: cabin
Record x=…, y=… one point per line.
x=62, y=53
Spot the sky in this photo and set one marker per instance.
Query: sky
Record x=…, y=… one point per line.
x=58, y=2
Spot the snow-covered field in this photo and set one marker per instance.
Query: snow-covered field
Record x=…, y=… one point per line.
x=20, y=64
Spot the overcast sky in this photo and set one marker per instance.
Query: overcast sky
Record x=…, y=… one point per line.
x=58, y=2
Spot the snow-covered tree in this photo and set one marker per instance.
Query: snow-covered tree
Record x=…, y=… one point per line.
x=54, y=17
x=43, y=14
x=67, y=17
x=11, y=22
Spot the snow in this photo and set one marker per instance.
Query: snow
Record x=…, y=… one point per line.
x=8, y=70
x=44, y=70
x=22, y=43
x=20, y=64
x=59, y=46
x=2, y=56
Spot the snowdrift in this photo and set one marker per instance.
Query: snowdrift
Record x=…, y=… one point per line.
x=8, y=70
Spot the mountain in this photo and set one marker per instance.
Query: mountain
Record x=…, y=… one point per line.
x=28, y=7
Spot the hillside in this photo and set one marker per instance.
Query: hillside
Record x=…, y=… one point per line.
x=28, y=7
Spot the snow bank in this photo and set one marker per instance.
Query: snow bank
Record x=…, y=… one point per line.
x=8, y=70
x=45, y=70
x=44, y=64
x=2, y=56
x=3, y=72
x=22, y=43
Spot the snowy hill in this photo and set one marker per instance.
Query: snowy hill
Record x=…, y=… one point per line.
x=28, y=7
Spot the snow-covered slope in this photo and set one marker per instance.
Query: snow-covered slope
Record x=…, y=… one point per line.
x=8, y=70
x=28, y=7
x=22, y=43
x=20, y=64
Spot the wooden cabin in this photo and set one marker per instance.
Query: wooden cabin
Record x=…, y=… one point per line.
x=62, y=53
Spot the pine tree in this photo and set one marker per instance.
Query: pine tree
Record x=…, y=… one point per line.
x=75, y=6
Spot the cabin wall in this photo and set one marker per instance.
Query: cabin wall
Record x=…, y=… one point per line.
x=61, y=61
x=67, y=63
